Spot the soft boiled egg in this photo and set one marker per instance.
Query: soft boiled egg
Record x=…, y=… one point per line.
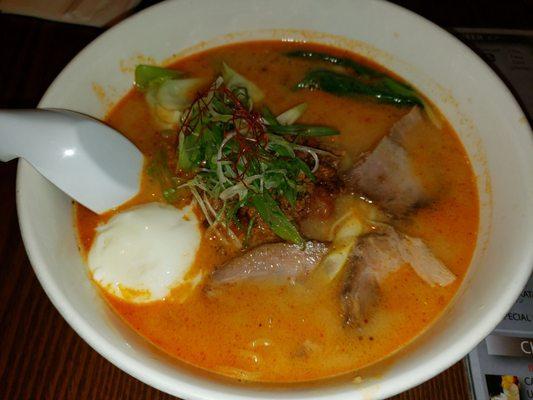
x=144, y=252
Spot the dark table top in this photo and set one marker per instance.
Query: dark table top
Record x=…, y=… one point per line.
x=41, y=357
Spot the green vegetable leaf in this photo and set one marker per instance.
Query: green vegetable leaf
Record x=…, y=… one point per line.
x=160, y=171
x=343, y=62
x=302, y=130
x=234, y=80
x=231, y=214
x=269, y=117
x=176, y=94
x=300, y=165
x=399, y=87
x=271, y=213
x=147, y=74
x=369, y=82
x=386, y=90
x=282, y=147
x=360, y=69
x=290, y=193
x=211, y=138
x=249, y=231
x=170, y=194
x=235, y=157
x=189, y=152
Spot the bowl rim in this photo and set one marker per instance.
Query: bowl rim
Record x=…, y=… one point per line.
x=193, y=391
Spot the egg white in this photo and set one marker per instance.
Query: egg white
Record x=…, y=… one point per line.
x=144, y=252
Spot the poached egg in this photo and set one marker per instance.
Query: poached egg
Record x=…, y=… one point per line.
x=144, y=252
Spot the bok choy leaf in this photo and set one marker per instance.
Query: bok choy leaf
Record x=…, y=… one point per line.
x=177, y=94
x=234, y=80
x=366, y=82
x=383, y=90
x=148, y=74
x=358, y=68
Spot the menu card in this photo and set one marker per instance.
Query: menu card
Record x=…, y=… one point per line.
x=501, y=366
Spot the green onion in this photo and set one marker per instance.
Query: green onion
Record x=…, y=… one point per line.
x=249, y=230
x=302, y=130
x=292, y=115
x=280, y=146
x=239, y=158
x=159, y=170
x=271, y=213
x=170, y=194
x=300, y=165
x=189, y=155
x=269, y=117
x=147, y=74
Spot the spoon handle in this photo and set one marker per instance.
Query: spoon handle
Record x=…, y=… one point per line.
x=85, y=158
x=16, y=129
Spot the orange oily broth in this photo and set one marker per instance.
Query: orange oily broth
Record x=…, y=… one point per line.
x=292, y=333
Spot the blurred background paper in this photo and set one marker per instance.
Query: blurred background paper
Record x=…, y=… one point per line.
x=84, y=12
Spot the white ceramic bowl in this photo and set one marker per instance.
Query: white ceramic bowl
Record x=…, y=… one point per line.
x=491, y=125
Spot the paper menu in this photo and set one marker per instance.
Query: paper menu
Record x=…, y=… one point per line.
x=503, y=362
x=505, y=357
x=501, y=366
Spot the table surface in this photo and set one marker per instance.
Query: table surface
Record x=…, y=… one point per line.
x=41, y=357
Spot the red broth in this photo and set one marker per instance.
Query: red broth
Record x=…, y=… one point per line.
x=268, y=333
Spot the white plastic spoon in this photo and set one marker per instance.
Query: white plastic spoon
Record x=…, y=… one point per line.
x=91, y=162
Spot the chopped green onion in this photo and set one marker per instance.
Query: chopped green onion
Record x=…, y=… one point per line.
x=249, y=230
x=292, y=115
x=302, y=130
x=160, y=171
x=269, y=117
x=282, y=147
x=270, y=212
x=189, y=155
x=170, y=194
x=299, y=164
x=238, y=157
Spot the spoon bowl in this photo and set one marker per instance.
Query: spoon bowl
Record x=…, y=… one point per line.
x=88, y=160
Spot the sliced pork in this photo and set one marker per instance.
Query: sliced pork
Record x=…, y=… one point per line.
x=275, y=262
x=386, y=175
x=360, y=292
x=374, y=258
x=426, y=265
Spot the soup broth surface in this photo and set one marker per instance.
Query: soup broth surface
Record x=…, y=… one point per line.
x=288, y=333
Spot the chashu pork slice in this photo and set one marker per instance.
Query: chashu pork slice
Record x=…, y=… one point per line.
x=386, y=175
x=375, y=257
x=273, y=262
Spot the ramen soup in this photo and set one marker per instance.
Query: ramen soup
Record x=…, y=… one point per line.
x=304, y=213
